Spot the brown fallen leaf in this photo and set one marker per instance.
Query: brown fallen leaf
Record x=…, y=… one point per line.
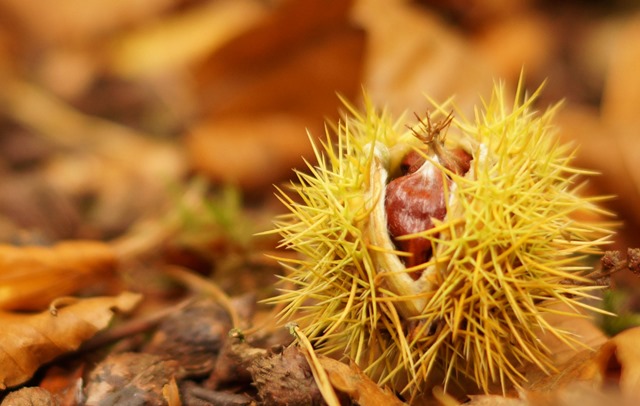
x=411, y=52
x=495, y=400
x=621, y=98
x=622, y=89
x=171, y=393
x=577, y=322
x=360, y=388
x=608, y=137
x=31, y=277
x=182, y=38
x=248, y=153
x=294, y=60
x=611, y=375
x=28, y=341
x=618, y=361
x=261, y=90
x=611, y=152
x=580, y=368
x=525, y=40
x=73, y=22
x=573, y=361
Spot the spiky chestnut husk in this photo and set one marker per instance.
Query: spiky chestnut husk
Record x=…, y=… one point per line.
x=509, y=247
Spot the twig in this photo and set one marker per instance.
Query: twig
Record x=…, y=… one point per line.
x=132, y=327
x=202, y=285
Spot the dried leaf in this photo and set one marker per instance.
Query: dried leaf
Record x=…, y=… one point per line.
x=577, y=323
x=522, y=40
x=573, y=361
x=264, y=88
x=72, y=21
x=612, y=152
x=28, y=341
x=293, y=61
x=580, y=368
x=495, y=400
x=411, y=52
x=621, y=95
x=234, y=150
x=63, y=381
x=621, y=98
x=619, y=362
x=181, y=39
x=609, y=376
x=352, y=381
x=477, y=13
x=171, y=393
x=31, y=277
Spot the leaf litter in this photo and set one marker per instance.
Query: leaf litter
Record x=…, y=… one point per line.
x=139, y=146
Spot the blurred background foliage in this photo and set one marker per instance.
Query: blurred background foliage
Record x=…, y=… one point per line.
x=104, y=105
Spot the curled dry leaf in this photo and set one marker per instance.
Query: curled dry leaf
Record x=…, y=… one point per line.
x=31, y=277
x=171, y=393
x=28, y=341
x=361, y=389
x=618, y=361
x=609, y=376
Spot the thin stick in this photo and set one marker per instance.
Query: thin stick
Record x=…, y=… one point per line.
x=132, y=327
x=202, y=285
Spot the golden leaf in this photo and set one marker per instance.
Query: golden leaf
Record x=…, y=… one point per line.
x=619, y=362
x=352, y=381
x=28, y=341
x=31, y=277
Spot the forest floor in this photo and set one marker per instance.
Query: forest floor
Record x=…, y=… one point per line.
x=140, y=143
